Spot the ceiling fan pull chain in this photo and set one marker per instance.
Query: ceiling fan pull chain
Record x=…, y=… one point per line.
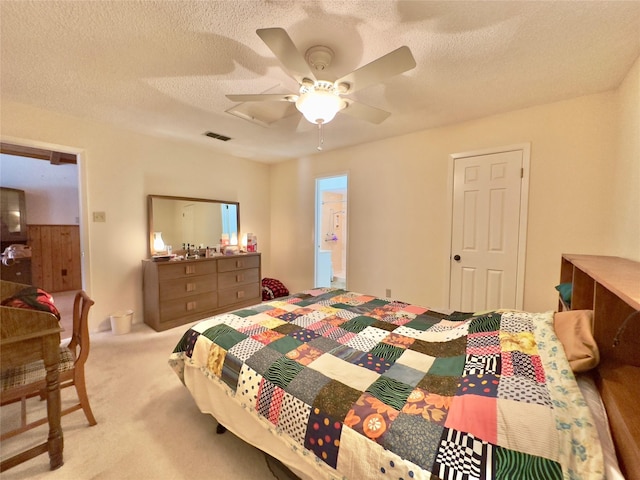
x=320, y=136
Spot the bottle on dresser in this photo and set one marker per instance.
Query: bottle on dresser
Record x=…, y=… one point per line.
x=252, y=243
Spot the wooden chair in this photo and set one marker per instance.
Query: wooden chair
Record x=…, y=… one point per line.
x=79, y=346
x=28, y=381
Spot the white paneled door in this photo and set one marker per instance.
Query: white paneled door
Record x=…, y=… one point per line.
x=486, y=231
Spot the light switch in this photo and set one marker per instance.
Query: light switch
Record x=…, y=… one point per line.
x=99, y=216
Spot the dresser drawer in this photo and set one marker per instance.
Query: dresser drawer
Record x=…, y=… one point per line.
x=181, y=307
x=238, y=262
x=182, y=287
x=239, y=294
x=19, y=271
x=171, y=270
x=239, y=277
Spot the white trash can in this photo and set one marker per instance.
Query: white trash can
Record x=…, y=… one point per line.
x=121, y=322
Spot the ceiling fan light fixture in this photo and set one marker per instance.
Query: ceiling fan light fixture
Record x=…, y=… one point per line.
x=319, y=103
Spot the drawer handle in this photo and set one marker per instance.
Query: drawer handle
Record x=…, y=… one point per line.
x=189, y=269
x=240, y=294
x=239, y=264
x=191, y=306
x=239, y=278
x=191, y=287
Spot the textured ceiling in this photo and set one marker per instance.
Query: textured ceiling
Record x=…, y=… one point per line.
x=164, y=67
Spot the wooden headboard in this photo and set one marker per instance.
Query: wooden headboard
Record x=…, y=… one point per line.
x=610, y=286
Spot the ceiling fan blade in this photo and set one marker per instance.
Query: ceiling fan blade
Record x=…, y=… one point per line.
x=393, y=63
x=261, y=97
x=278, y=40
x=365, y=112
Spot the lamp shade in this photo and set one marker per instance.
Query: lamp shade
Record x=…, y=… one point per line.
x=158, y=243
x=319, y=103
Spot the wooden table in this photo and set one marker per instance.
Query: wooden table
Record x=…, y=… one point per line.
x=27, y=336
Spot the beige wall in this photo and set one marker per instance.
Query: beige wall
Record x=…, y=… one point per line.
x=398, y=194
x=625, y=229
x=584, y=185
x=120, y=169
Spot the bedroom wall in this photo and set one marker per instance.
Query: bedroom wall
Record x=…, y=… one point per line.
x=585, y=161
x=120, y=169
x=625, y=231
x=398, y=193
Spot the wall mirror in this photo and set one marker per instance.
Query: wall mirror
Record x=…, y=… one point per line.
x=197, y=221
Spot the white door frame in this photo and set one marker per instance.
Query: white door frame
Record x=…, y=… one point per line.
x=524, y=211
x=83, y=202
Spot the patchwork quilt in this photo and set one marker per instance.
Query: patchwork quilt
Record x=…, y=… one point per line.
x=374, y=388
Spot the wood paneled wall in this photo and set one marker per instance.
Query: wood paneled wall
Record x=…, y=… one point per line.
x=55, y=261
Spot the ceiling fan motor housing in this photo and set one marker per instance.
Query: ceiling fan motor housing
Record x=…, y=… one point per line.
x=319, y=57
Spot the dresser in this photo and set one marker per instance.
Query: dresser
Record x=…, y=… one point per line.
x=179, y=292
x=18, y=271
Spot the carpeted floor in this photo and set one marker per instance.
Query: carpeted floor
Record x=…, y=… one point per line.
x=278, y=470
x=148, y=425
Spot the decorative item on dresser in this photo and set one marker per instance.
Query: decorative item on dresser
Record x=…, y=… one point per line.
x=179, y=292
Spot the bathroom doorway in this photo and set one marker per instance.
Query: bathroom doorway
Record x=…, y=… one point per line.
x=331, y=232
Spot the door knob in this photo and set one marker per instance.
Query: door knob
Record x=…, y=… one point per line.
x=456, y=258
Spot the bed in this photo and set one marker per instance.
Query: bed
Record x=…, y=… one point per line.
x=338, y=384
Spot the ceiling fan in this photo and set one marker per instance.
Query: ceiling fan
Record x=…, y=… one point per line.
x=318, y=99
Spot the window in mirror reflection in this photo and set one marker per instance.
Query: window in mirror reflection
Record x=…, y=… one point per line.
x=230, y=222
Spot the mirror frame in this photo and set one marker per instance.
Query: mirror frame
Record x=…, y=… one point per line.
x=188, y=199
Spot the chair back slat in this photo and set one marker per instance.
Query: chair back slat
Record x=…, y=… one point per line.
x=80, y=342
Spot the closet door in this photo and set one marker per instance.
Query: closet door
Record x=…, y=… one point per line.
x=486, y=231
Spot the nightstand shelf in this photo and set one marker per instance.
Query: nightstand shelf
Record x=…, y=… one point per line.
x=610, y=286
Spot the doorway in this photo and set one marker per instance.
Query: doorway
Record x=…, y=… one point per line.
x=331, y=232
x=55, y=234
x=488, y=229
